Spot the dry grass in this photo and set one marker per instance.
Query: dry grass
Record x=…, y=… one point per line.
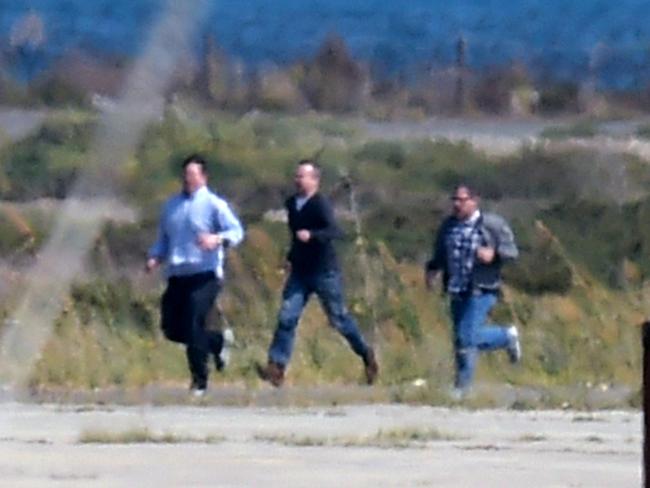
x=587, y=418
x=404, y=438
x=595, y=439
x=532, y=438
x=142, y=435
x=108, y=336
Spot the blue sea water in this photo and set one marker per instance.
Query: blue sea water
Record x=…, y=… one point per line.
x=555, y=38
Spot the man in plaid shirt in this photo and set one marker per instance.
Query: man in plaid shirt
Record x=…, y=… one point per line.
x=470, y=248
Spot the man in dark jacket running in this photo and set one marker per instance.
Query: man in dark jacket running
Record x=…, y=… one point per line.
x=313, y=269
x=470, y=248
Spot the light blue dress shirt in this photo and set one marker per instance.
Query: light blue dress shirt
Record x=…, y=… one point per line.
x=183, y=219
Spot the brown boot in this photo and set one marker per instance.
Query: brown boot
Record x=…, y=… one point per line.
x=371, y=366
x=272, y=372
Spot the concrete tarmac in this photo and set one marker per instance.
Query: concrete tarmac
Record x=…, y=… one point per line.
x=348, y=446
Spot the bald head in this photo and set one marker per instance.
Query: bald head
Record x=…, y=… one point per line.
x=307, y=178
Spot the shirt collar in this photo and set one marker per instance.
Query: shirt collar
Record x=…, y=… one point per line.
x=305, y=197
x=190, y=196
x=473, y=218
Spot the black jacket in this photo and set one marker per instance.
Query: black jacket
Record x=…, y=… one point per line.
x=495, y=233
x=318, y=254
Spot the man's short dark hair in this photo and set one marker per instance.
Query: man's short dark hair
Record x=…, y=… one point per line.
x=313, y=164
x=197, y=159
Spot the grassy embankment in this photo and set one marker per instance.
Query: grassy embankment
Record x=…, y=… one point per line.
x=578, y=290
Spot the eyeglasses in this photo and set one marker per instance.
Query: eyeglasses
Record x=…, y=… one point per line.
x=459, y=199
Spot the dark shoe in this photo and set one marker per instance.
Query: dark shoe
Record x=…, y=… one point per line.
x=371, y=366
x=272, y=372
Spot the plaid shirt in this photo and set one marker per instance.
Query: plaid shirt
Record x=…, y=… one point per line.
x=462, y=242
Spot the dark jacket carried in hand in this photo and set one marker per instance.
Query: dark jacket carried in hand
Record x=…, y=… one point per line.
x=318, y=254
x=496, y=233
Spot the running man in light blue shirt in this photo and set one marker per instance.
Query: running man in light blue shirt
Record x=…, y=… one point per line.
x=196, y=226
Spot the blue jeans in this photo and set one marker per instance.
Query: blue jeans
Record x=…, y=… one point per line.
x=328, y=287
x=472, y=334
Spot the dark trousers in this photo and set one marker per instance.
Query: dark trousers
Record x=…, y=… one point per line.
x=184, y=308
x=328, y=287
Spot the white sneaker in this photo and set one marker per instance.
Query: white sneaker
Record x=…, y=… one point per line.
x=514, y=348
x=197, y=392
x=224, y=355
x=457, y=394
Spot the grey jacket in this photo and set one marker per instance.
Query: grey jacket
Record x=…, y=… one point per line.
x=496, y=233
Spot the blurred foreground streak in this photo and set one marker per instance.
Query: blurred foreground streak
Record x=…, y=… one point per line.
x=93, y=198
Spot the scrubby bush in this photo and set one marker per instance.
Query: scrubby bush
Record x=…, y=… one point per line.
x=12, y=93
x=45, y=164
x=333, y=81
x=643, y=131
x=389, y=153
x=53, y=91
x=584, y=129
x=493, y=91
x=559, y=97
x=541, y=266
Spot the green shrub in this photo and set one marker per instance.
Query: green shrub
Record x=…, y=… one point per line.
x=56, y=92
x=643, y=131
x=583, y=129
x=560, y=97
x=46, y=163
x=541, y=267
x=389, y=153
x=114, y=304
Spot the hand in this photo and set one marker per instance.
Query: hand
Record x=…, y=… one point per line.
x=485, y=254
x=152, y=263
x=303, y=235
x=429, y=278
x=209, y=242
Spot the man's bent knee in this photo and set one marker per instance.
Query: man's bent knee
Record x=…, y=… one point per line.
x=288, y=316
